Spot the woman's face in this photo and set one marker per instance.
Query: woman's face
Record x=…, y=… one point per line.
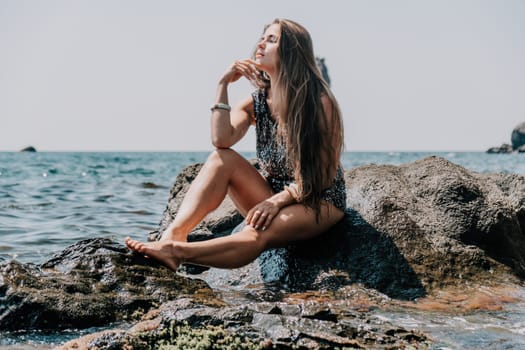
x=267, y=54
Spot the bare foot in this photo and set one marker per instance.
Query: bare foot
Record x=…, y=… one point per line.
x=162, y=251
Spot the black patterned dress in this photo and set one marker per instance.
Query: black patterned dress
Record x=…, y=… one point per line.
x=272, y=155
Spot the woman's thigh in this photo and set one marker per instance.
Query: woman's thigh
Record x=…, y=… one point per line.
x=297, y=222
x=247, y=187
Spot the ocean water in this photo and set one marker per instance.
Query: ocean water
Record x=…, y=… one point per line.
x=49, y=200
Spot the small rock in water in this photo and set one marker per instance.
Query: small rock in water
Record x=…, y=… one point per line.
x=28, y=149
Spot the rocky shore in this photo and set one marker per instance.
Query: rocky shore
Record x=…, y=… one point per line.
x=517, y=144
x=424, y=235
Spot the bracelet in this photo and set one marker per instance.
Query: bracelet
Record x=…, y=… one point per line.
x=224, y=106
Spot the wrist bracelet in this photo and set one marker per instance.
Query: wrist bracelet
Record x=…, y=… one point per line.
x=224, y=106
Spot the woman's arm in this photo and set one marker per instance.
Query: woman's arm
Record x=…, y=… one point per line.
x=228, y=127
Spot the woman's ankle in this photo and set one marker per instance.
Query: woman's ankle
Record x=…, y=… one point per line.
x=173, y=234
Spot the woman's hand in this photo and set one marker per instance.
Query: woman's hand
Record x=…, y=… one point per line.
x=242, y=68
x=261, y=216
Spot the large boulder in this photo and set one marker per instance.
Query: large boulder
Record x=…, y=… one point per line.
x=518, y=136
x=409, y=229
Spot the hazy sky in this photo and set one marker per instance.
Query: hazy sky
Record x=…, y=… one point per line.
x=141, y=75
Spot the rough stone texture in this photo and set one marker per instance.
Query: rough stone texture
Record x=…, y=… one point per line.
x=92, y=283
x=447, y=222
x=269, y=325
x=518, y=136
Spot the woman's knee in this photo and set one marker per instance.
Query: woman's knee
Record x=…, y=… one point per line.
x=256, y=237
x=222, y=157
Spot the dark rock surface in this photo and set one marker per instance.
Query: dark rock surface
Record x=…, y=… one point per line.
x=518, y=136
x=92, y=283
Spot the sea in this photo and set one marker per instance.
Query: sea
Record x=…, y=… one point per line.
x=50, y=200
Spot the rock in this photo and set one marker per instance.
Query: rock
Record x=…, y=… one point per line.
x=518, y=136
x=252, y=326
x=448, y=223
x=92, y=283
x=323, y=68
x=517, y=140
x=28, y=149
x=410, y=229
x=504, y=148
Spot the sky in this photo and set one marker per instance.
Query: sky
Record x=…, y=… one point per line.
x=129, y=75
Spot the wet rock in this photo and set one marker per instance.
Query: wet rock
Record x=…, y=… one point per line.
x=92, y=283
x=254, y=326
x=409, y=229
x=504, y=148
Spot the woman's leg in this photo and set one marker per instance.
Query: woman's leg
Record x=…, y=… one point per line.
x=224, y=171
x=293, y=223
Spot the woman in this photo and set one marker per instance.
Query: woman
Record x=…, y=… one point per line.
x=300, y=191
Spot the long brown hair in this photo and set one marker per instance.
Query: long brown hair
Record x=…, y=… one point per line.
x=314, y=140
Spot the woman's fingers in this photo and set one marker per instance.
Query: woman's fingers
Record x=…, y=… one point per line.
x=247, y=68
x=256, y=218
x=267, y=222
x=261, y=216
x=239, y=68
